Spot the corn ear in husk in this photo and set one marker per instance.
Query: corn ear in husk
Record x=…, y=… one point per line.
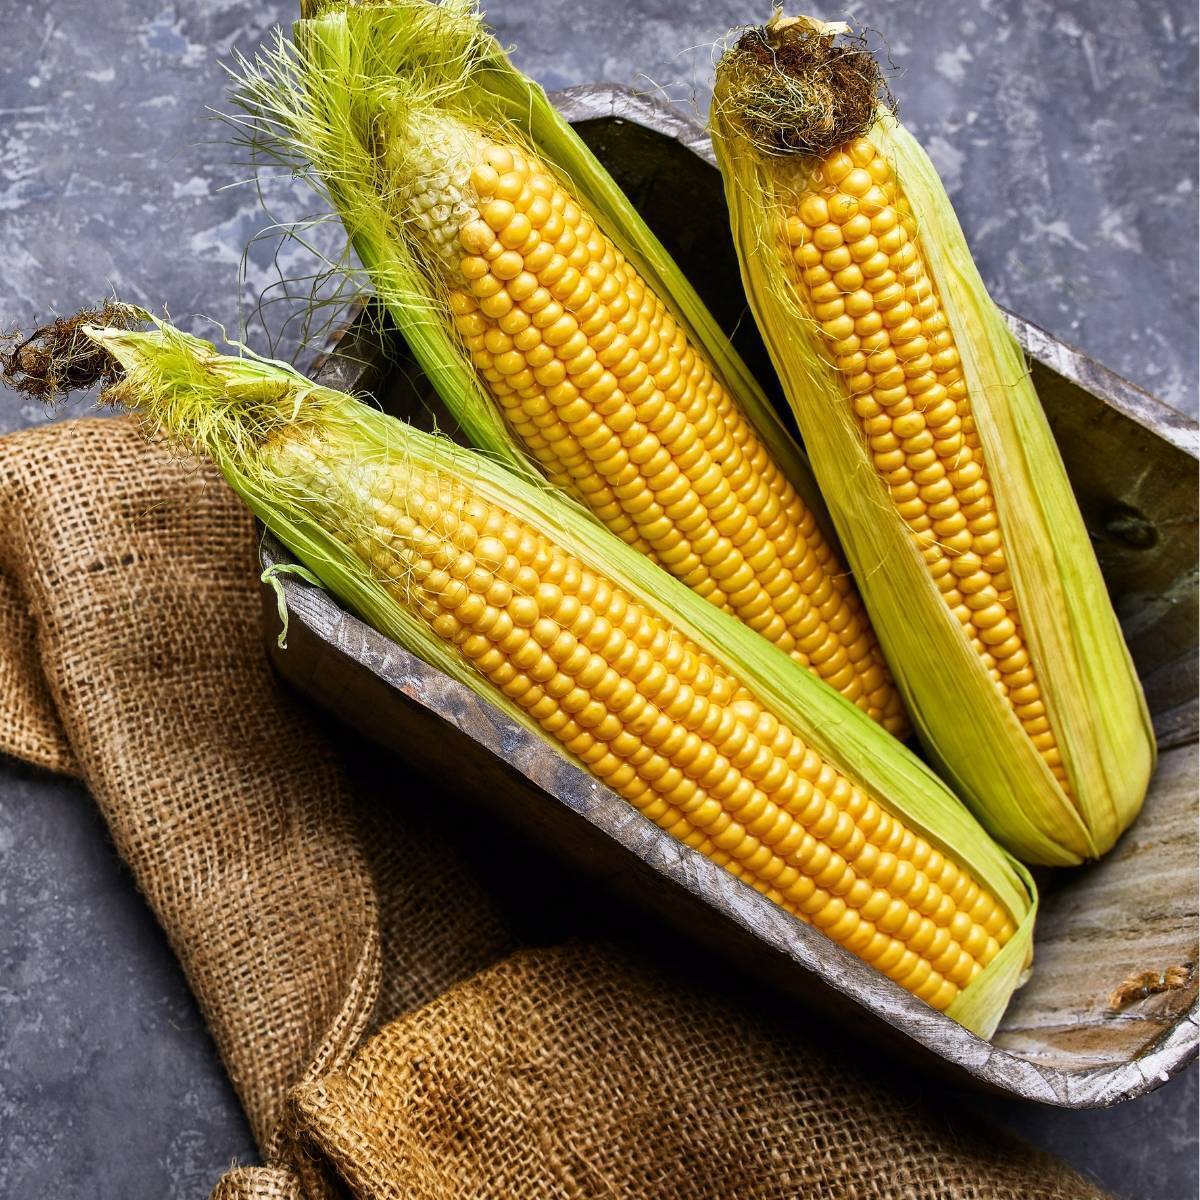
x=312, y=464
x=931, y=448
x=555, y=328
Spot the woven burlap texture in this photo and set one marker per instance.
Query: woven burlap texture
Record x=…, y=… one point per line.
x=135, y=653
x=359, y=983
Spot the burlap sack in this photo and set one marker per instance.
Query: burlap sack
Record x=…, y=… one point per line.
x=574, y=1072
x=132, y=577
x=308, y=921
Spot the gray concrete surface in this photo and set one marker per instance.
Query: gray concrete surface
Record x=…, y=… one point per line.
x=1065, y=130
x=1067, y=135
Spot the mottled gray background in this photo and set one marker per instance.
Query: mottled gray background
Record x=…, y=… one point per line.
x=1066, y=133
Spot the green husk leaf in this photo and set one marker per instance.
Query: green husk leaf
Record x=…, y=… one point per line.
x=1089, y=685
x=358, y=81
x=238, y=411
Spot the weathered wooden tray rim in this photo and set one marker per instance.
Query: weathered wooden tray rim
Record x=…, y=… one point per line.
x=780, y=933
x=713, y=886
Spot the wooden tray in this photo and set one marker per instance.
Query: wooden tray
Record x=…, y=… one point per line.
x=1065, y=1039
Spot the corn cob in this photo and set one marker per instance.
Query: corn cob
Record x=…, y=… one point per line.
x=713, y=734
x=858, y=271
x=867, y=298
x=567, y=354
x=662, y=724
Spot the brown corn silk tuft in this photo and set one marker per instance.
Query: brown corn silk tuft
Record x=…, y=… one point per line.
x=799, y=91
x=855, y=278
x=58, y=358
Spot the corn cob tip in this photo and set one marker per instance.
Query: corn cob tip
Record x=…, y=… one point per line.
x=59, y=358
x=800, y=86
x=230, y=408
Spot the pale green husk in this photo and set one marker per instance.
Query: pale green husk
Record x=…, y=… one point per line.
x=1091, y=691
x=357, y=88
x=238, y=411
